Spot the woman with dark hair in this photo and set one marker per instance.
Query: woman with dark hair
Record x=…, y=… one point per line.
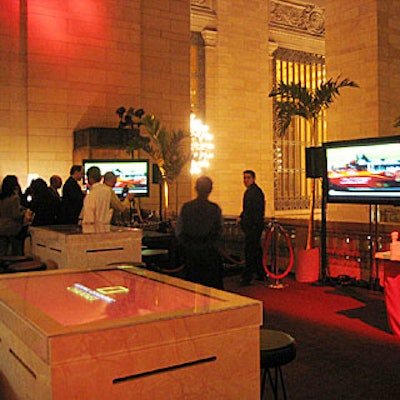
x=11, y=216
x=45, y=206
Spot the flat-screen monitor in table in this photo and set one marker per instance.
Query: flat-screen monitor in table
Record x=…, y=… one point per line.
x=132, y=175
x=92, y=296
x=363, y=171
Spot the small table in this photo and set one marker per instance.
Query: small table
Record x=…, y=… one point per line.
x=125, y=332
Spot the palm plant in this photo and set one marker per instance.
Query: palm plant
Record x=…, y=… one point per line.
x=294, y=100
x=168, y=149
x=131, y=119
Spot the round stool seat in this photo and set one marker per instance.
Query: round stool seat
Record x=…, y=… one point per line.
x=6, y=261
x=27, y=266
x=11, y=259
x=277, y=348
x=154, y=252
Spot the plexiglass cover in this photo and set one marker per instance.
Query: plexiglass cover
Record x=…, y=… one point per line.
x=91, y=296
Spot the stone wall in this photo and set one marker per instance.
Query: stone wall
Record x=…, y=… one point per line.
x=362, y=44
x=69, y=65
x=238, y=109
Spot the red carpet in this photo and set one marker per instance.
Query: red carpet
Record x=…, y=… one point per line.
x=344, y=347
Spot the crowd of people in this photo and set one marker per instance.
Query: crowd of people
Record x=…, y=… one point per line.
x=199, y=227
x=40, y=204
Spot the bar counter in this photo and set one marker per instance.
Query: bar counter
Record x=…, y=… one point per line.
x=125, y=332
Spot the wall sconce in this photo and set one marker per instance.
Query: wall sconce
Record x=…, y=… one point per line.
x=202, y=145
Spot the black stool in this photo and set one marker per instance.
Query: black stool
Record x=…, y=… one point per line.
x=26, y=266
x=7, y=261
x=276, y=349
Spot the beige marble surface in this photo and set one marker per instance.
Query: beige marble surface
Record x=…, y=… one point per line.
x=88, y=246
x=164, y=339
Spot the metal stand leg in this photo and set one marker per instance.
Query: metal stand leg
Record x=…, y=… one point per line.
x=274, y=382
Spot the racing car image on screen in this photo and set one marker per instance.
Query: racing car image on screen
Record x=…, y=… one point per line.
x=363, y=170
x=372, y=176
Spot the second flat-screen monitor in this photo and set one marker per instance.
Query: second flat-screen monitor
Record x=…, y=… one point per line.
x=132, y=175
x=363, y=171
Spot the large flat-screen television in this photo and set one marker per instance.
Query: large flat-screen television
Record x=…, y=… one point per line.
x=132, y=175
x=363, y=171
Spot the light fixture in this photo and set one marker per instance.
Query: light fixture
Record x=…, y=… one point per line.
x=202, y=145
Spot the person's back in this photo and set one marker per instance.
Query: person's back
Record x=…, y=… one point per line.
x=201, y=221
x=96, y=207
x=199, y=231
x=45, y=206
x=11, y=216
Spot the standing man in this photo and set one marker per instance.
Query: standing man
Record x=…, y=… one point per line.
x=101, y=201
x=199, y=231
x=97, y=204
x=110, y=179
x=55, y=184
x=251, y=221
x=72, y=196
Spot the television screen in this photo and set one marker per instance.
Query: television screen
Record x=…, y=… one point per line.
x=363, y=171
x=132, y=175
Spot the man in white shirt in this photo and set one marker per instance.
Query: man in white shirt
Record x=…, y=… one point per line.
x=96, y=206
x=101, y=200
x=116, y=204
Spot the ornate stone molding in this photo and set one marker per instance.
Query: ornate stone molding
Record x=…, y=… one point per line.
x=298, y=16
x=202, y=3
x=272, y=47
x=210, y=37
x=202, y=15
x=298, y=56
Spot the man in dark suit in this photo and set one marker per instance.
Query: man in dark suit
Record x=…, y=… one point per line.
x=72, y=196
x=251, y=221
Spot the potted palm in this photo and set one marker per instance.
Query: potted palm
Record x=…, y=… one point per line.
x=169, y=150
x=131, y=120
x=295, y=100
x=167, y=147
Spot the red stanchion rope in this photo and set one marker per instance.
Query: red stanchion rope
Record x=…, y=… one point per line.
x=267, y=242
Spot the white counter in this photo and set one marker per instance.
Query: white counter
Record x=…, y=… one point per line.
x=72, y=246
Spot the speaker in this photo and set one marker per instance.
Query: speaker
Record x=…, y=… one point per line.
x=156, y=174
x=315, y=162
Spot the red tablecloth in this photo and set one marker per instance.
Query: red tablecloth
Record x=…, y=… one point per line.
x=392, y=293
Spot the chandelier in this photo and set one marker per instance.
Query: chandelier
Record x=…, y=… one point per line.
x=202, y=145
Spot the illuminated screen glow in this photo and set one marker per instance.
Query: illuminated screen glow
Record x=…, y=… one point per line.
x=363, y=171
x=131, y=174
x=84, y=297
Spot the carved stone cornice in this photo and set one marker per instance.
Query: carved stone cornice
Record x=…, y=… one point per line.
x=210, y=37
x=202, y=15
x=297, y=16
x=272, y=47
x=202, y=3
